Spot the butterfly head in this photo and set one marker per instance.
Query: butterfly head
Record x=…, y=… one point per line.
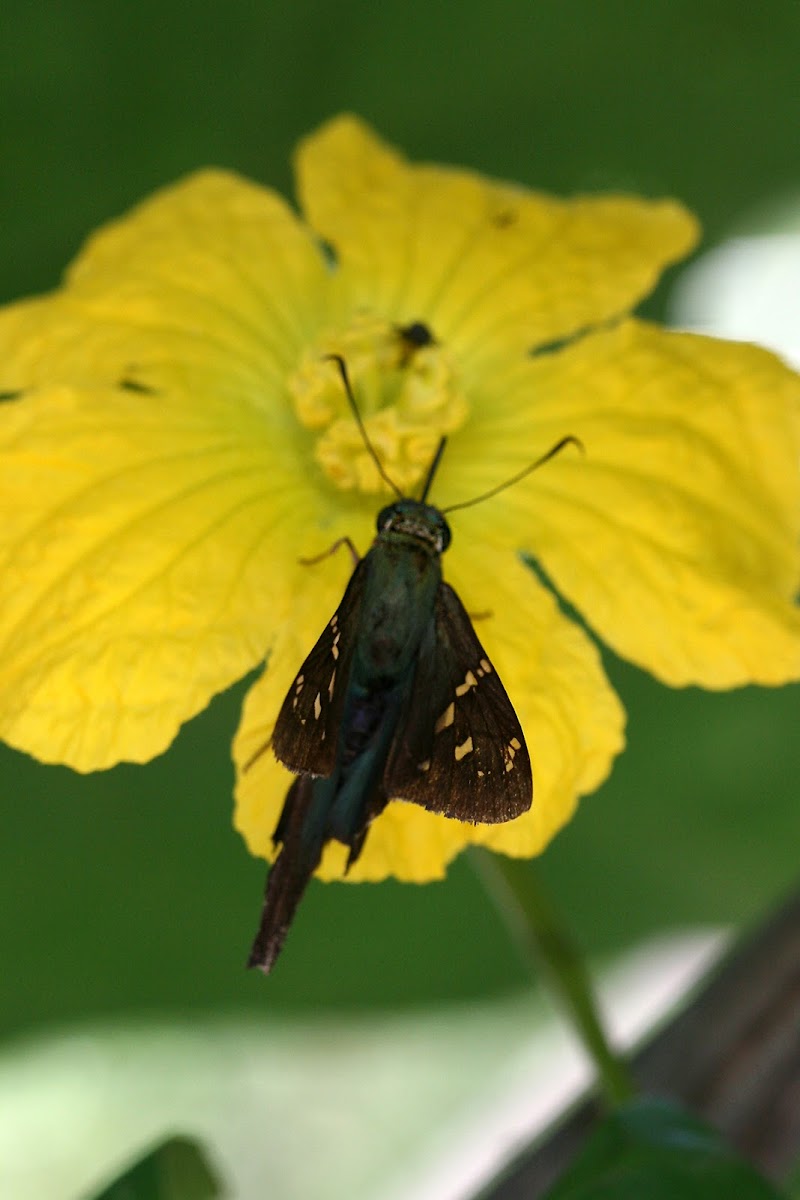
x=414, y=519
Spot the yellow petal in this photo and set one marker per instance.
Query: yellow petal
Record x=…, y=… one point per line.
x=212, y=275
x=138, y=559
x=490, y=267
x=676, y=535
x=572, y=720
x=213, y=258
x=148, y=474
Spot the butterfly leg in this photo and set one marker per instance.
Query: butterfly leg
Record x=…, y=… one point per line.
x=253, y=759
x=342, y=541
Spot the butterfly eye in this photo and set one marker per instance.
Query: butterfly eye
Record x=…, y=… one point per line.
x=385, y=517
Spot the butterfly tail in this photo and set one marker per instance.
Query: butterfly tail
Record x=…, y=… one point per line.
x=302, y=839
x=317, y=810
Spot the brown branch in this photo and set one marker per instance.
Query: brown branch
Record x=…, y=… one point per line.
x=732, y=1056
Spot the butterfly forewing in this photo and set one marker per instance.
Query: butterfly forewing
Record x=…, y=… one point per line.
x=459, y=750
x=307, y=728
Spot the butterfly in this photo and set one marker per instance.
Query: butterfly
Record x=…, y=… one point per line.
x=397, y=699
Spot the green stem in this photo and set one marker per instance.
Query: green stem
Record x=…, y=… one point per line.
x=543, y=940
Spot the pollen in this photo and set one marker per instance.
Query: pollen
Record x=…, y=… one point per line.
x=408, y=395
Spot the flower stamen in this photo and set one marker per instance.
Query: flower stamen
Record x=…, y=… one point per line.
x=407, y=392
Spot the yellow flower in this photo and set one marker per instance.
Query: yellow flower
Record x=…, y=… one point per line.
x=173, y=441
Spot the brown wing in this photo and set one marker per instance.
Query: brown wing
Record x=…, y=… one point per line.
x=307, y=727
x=459, y=749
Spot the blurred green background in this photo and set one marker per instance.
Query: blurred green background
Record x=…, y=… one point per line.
x=128, y=892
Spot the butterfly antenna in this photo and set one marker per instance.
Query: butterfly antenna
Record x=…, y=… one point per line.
x=342, y=365
x=569, y=440
x=426, y=487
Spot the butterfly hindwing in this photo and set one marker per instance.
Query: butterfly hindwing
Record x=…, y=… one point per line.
x=306, y=731
x=459, y=748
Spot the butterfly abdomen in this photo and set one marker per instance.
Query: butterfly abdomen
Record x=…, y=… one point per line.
x=363, y=716
x=300, y=832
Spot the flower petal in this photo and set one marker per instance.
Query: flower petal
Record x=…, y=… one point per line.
x=137, y=560
x=213, y=258
x=676, y=535
x=571, y=717
x=148, y=474
x=490, y=267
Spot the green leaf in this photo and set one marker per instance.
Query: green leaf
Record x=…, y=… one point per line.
x=177, y=1169
x=653, y=1148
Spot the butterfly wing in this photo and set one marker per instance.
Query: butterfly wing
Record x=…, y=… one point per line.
x=459, y=748
x=305, y=734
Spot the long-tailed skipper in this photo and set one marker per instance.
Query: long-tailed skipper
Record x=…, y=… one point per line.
x=398, y=699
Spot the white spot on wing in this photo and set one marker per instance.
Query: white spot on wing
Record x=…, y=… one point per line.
x=317, y=706
x=510, y=751
x=469, y=682
x=464, y=749
x=446, y=719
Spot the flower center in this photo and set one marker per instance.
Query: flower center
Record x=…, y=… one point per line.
x=407, y=393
